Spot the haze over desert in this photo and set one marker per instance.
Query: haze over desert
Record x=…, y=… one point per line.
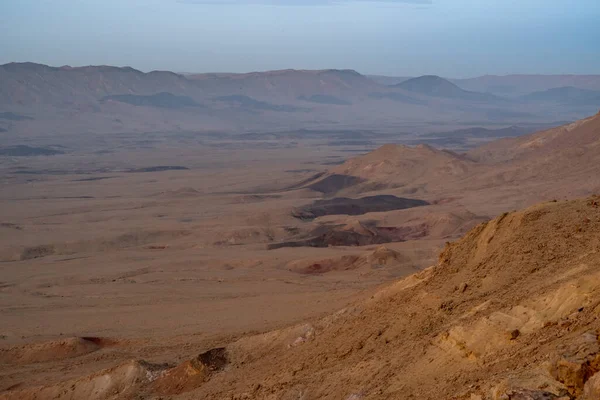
x=372, y=205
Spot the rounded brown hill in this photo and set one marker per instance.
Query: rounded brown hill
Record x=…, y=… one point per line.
x=413, y=168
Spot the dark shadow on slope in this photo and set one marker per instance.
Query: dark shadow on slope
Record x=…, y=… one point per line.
x=158, y=168
x=334, y=183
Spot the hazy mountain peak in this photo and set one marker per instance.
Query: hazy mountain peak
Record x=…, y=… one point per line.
x=431, y=85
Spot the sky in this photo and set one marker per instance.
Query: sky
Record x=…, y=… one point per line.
x=451, y=38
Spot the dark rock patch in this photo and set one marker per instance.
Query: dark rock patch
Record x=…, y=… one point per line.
x=30, y=253
x=10, y=116
x=347, y=206
x=339, y=162
x=96, y=178
x=158, y=168
x=299, y=171
x=10, y=226
x=27, y=151
x=214, y=359
x=351, y=143
x=357, y=235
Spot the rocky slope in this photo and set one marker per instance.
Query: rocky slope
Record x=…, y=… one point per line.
x=509, y=312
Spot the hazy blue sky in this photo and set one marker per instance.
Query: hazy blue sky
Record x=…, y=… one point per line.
x=454, y=38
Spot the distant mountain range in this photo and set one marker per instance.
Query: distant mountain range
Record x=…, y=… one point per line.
x=39, y=98
x=567, y=95
x=520, y=85
x=509, y=85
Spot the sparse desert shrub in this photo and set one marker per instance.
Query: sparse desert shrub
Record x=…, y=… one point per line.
x=30, y=253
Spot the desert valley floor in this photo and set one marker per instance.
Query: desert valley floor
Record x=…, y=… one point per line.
x=177, y=251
